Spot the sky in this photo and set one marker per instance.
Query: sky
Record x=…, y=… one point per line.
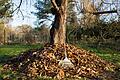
x=26, y=8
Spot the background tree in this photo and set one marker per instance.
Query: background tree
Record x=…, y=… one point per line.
x=42, y=34
x=4, y=8
x=1, y=31
x=24, y=33
x=43, y=11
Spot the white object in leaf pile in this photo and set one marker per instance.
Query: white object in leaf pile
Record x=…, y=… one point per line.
x=66, y=63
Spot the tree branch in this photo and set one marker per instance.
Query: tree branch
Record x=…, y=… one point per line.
x=54, y=5
x=19, y=10
x=100, y=12
x=105, y=12
x=18, y=6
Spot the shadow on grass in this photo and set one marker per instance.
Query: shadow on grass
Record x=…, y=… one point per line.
x=5, y=58
x=8, y=58
x=8, y=52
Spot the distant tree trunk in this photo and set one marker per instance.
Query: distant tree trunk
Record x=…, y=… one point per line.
x=4, y=36
x=58, y=30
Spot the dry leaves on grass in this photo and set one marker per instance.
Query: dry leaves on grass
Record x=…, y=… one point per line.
x=44, y=62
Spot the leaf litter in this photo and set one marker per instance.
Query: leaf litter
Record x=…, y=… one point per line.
x=45, y=62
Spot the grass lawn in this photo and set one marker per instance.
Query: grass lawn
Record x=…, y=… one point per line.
x=7, y=51
x=109, y=54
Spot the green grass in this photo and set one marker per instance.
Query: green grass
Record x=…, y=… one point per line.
x=15, y=49
x=106, y=53
x=7, y=51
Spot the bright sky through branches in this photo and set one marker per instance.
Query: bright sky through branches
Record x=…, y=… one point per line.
x=28, y=6
x=26, y=17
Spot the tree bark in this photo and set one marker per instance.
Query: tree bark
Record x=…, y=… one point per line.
x=58, y=30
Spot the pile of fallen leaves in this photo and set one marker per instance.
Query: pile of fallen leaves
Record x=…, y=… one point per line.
x=44, y=62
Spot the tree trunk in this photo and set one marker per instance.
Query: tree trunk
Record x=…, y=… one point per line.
x=58, y=30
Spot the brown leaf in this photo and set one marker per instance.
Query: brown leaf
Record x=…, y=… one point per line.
x=60, y=74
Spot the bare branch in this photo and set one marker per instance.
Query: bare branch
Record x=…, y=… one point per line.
x=105, y=12
x=18, y=6
x=19, y=10
x=54, y=5
x=22, y=15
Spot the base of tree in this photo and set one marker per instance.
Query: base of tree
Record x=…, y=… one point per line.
x=44, y=62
